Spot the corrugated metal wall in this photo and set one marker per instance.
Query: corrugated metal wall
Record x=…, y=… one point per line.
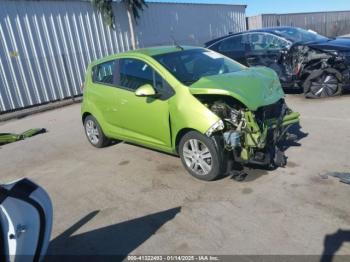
x=254, y=22
x=326, y=23
x=45, y=46
x=192, y=24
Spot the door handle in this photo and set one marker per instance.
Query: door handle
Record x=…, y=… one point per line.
x=124, y=101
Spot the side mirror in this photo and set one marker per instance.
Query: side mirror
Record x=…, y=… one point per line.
x=145, y=91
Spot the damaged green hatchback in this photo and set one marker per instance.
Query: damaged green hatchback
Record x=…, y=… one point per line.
x=188, y=101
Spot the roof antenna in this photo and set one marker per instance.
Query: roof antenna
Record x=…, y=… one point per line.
x=176, y=44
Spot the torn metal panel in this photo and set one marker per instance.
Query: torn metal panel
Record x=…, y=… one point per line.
x=6, y=138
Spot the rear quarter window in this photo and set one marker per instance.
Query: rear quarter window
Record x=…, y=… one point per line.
x=104, y=72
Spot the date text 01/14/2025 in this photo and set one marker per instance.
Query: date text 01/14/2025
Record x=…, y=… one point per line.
x=172, y=258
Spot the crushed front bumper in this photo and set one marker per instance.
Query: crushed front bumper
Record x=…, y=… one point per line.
x=265, y=130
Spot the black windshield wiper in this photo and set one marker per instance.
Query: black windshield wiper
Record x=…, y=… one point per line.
x=190, y=82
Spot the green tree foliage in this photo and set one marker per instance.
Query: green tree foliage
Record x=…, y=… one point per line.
x=135, y=6
x=106, y=9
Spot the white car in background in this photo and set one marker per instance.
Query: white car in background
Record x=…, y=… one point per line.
x=25, y=221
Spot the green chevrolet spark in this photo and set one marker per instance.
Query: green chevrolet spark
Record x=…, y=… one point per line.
x=188, y=101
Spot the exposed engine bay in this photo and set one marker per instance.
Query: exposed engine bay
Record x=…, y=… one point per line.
x=253, y=137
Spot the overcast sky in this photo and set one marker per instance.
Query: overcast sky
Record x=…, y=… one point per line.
x=279, y=6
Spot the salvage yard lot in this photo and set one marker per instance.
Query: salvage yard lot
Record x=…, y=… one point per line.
x=131, y=199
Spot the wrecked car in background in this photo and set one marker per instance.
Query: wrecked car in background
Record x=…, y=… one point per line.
x=302, y=59
x=191, y=102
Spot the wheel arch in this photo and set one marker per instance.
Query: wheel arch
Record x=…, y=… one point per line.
x=317, y=73
x=203, y=98
x=180, y=135
x=85, y=115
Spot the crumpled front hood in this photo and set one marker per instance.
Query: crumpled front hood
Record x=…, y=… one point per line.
x=338, y=44
x=254, y=87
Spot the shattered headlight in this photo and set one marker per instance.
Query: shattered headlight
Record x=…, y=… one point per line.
x=219, y=125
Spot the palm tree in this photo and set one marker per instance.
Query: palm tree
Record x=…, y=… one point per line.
x=133, y=8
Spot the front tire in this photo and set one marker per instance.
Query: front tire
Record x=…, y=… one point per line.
x=199, y=155
x=94, y=133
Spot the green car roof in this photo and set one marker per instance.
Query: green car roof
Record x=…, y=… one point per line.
x=158, y=50
x=149, y=51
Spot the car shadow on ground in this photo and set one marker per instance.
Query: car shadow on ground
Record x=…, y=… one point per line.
x=332, y=243
x=118, y=142
x=250, y=172
x=293, y=91
x=110, y=243
x=295, y=130
x=346, y=92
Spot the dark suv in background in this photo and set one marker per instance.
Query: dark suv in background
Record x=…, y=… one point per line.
x=303, y=59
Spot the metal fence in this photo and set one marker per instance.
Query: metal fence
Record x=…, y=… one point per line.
x=45, y=46
x=326, y=23
x=192, y=24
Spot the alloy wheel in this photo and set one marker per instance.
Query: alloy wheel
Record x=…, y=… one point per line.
x=92, y=131
x=197, y=157
x=325, y=85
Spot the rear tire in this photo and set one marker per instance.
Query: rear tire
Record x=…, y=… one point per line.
x=323, y=83
x=200, y=156
x=94, y=133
